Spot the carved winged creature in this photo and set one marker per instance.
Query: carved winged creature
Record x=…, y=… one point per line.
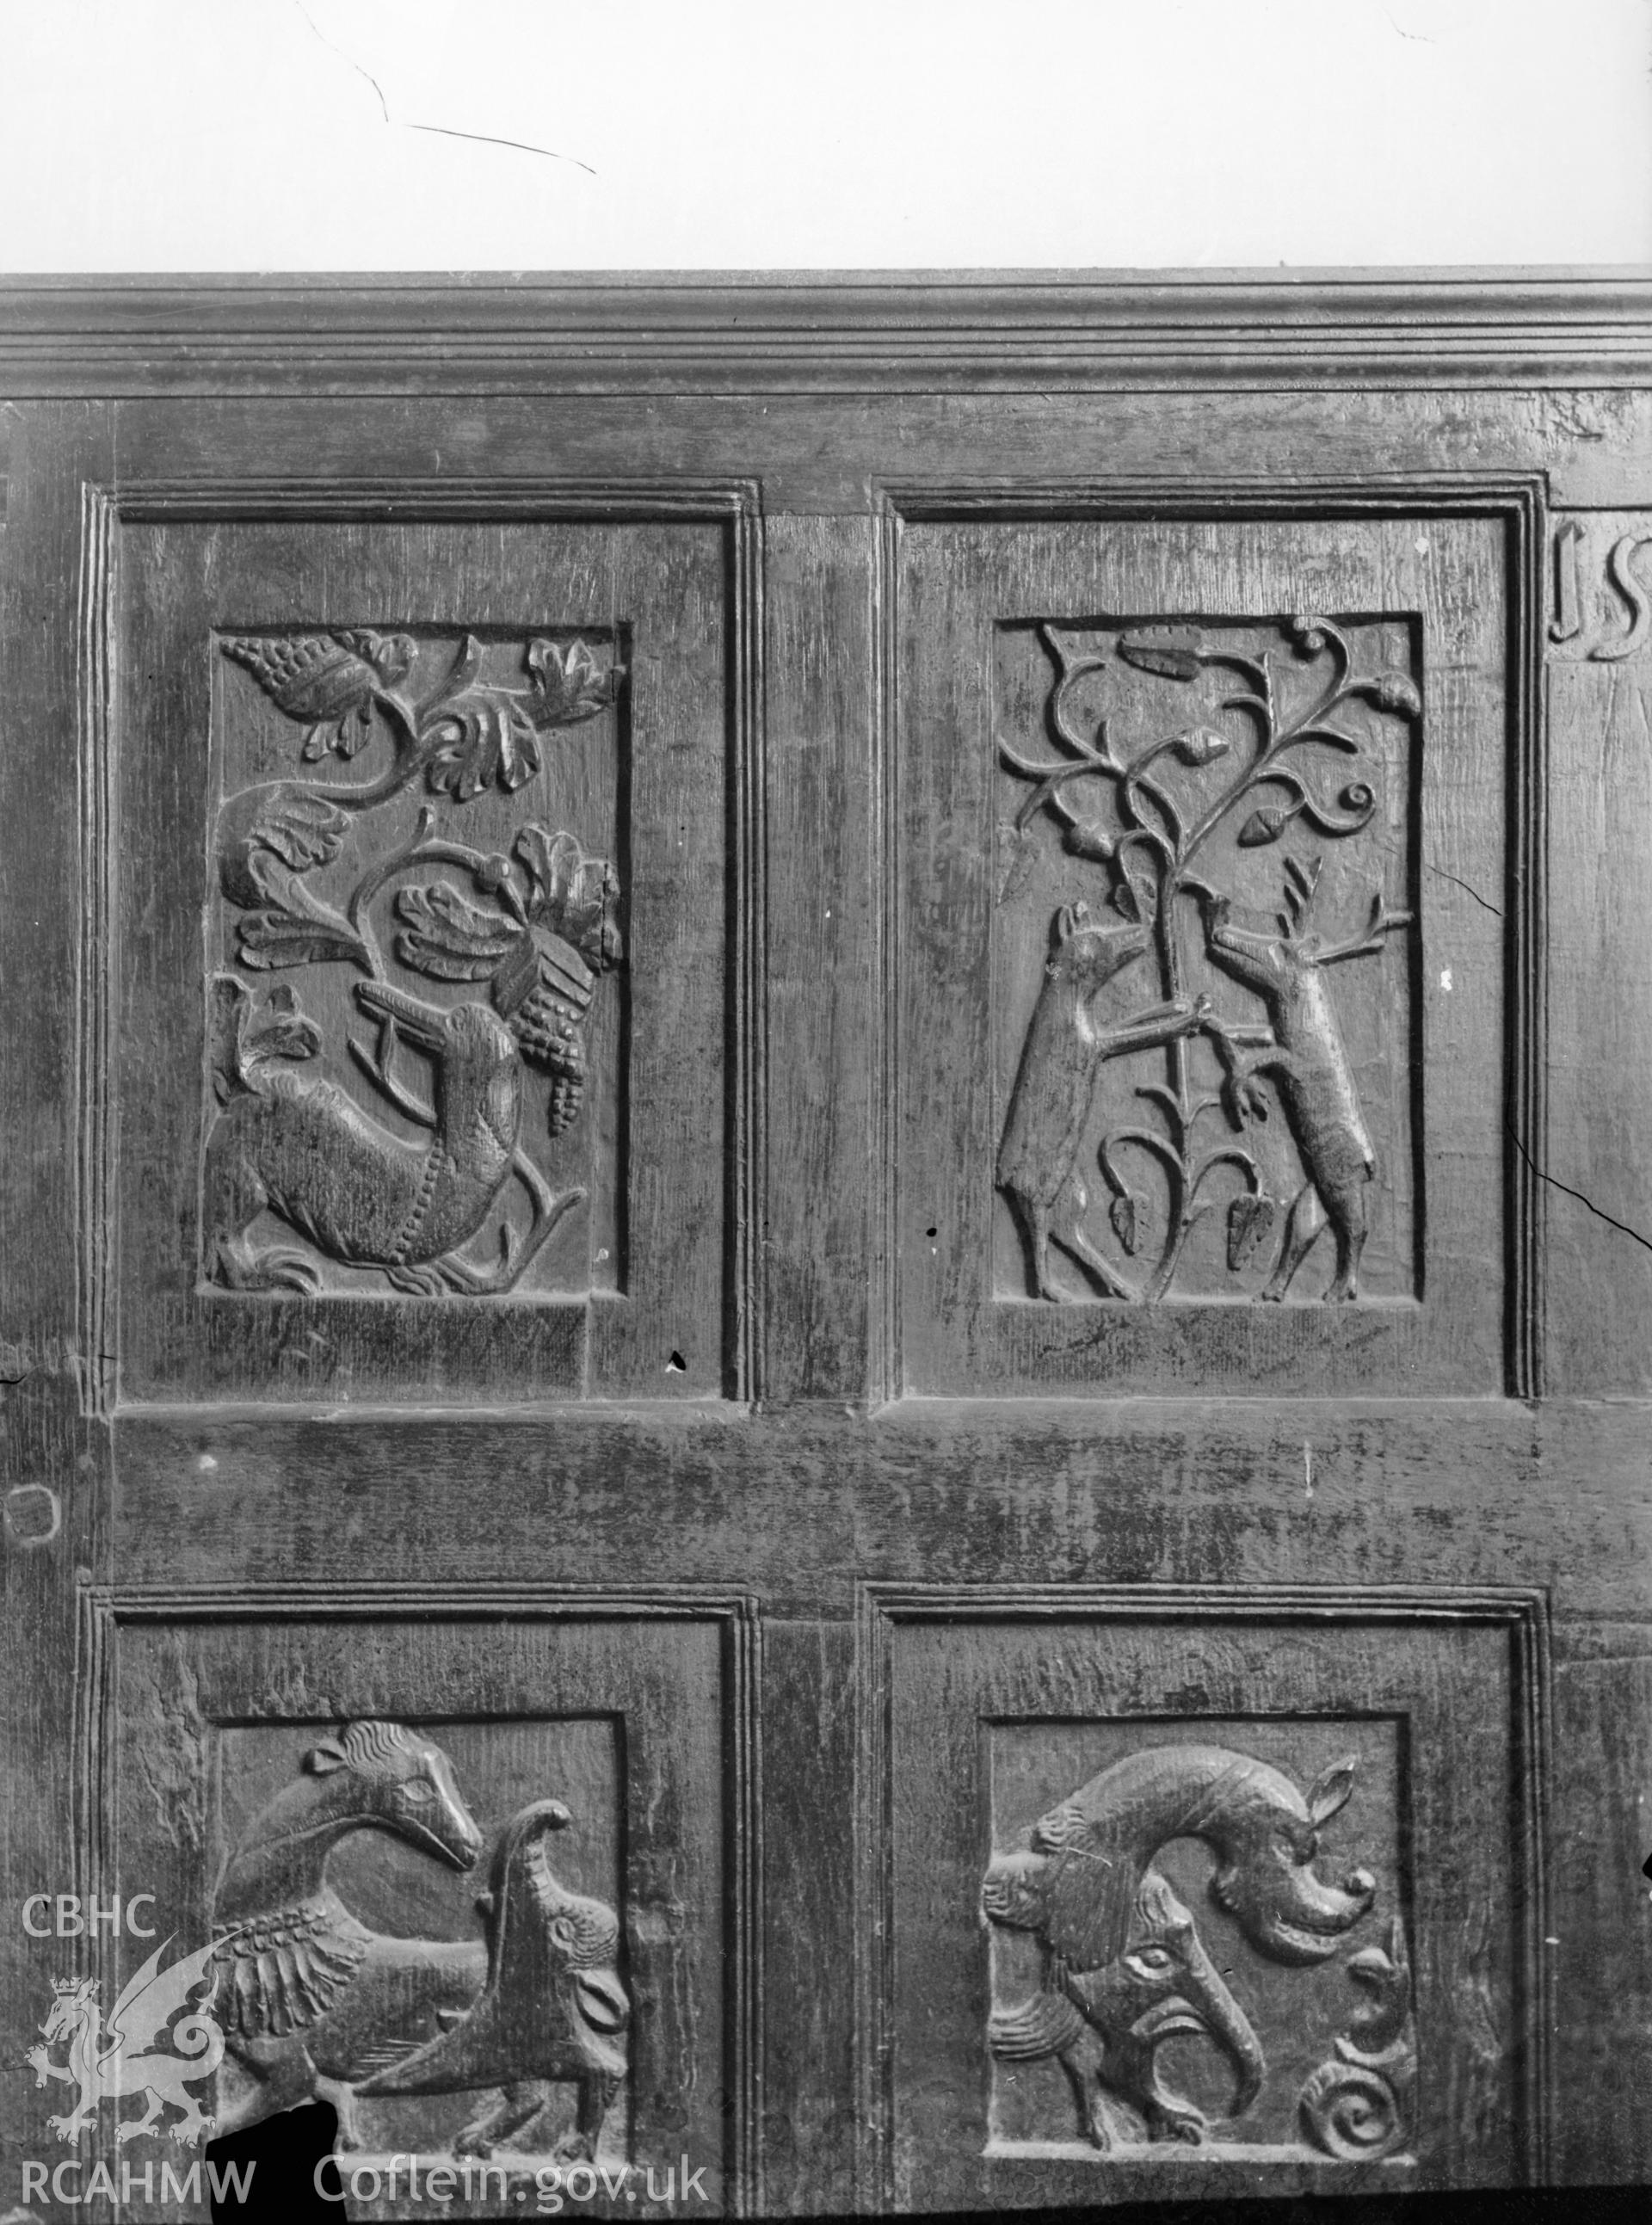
x=553, y=2009
x=309, y=1998
x=305, y=1149
x=1122, y=1956
x=126, y=2060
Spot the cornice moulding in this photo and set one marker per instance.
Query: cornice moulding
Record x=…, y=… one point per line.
x=821, y=333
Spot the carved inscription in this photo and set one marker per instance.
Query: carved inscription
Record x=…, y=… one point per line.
x=1204, y=777
x=1125, y=1974
x=460, y=974
x=313, y=2001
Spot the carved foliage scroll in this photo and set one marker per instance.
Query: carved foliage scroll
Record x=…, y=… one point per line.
x=1226, y=811
x=410, y=959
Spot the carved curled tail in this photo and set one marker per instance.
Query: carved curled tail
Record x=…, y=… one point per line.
x=1046, y=2024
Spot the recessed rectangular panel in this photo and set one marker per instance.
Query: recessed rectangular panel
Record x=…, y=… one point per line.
x=1202, y=836
x=471, y=1882
x=1250, y=2045
x=1200, y=1904
x=422, y=880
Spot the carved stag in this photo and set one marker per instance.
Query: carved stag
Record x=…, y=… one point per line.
x=1124, y=1963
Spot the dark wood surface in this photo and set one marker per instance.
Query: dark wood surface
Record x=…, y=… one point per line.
x=726, y=1565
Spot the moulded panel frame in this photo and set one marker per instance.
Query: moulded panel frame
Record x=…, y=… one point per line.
x=598, y=1346
x=1413, y=1632
x=1517, y=1196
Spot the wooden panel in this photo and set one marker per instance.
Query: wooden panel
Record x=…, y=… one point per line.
x=1602, y=1840
x=400, y=1187
x=1141, y=2015
x=325, y=1795
x=818, y=670
x=1209, y=812
x=1600, y=993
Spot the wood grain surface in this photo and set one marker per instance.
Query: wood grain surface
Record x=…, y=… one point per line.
x=798, y=1548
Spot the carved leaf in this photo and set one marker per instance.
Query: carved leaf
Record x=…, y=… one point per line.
x=1249, y=1221
x=447, y=938
x=1132, y=1218
x=295, y=828
x=571, y=685
x=294, y=929
x=490, y=742
x=1301, y=881
x=1171, y=656
x=304, y=831
x=573, y=893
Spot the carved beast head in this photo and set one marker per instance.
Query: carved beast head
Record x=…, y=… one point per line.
x=403, y=1784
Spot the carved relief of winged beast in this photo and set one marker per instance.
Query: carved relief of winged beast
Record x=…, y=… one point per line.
x=310, y=1998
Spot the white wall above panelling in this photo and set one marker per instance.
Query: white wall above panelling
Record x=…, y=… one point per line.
x=247, y=134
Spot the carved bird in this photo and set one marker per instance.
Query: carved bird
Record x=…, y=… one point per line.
x=553, y=2009
x=361, y=1195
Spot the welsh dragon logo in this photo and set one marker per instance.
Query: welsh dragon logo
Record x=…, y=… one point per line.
x=135, y=2053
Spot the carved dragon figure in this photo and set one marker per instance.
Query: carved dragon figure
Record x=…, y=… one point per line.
x=553, y=2008
x=1122, y=1956
x=308, y=1998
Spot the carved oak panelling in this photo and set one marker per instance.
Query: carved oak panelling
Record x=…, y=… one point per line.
x=1235, y=1897
x=1202, y=831
x=1217, y=1089
x=476, y=940
x=1180, y=2001
x=423, y=844
x=480, y=1886
x=1599, y=704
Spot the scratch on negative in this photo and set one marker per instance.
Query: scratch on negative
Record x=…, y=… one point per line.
x=1554, y=1182
x=446, y=131
x=487, y=139
x=1485, y=905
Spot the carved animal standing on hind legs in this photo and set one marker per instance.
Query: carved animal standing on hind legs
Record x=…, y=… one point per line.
x=1303, y=1054
x=1145, y=819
